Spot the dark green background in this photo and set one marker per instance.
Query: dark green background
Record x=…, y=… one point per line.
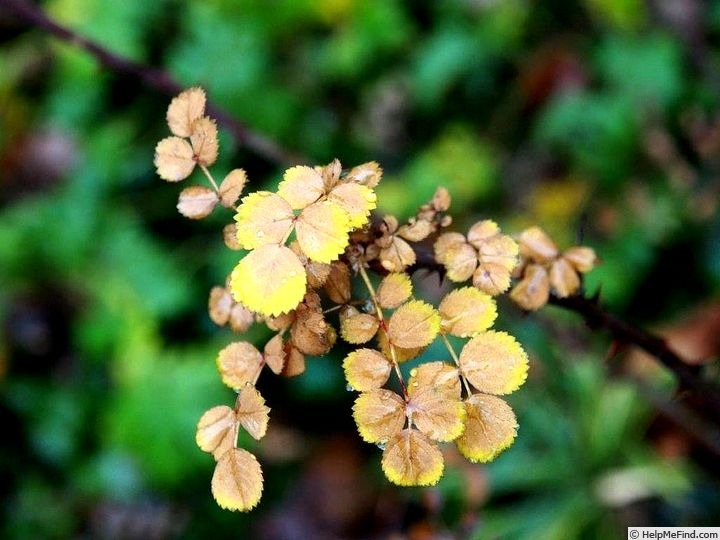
x=597, y=120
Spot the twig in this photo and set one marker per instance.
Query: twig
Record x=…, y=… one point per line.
x=151, y=77
x=596, y=317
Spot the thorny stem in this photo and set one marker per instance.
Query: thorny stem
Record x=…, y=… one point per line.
x=381, y=318
x=688, y=376
x=455, y=358
x=210, y=178
x=157, y=79
x=596, y=317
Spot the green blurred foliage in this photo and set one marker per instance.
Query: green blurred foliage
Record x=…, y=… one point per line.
x=549, y=113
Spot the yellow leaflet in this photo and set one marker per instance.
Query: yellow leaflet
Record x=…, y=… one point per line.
x=467, y=311
x=269, y=280
x=263, y=218
x=490, y=428
x=357, y=200
x=411, y=459
x=394, y=289
x=301, y=186
x=494, y=363
x=322, y=231
x=237, y=482
x=414, y=324
x=366, y=369
x=379, y=414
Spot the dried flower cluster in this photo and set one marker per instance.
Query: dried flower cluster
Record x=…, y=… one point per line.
x=305, y=244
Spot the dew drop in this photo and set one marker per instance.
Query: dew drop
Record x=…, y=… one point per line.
x=413, y=372
x=382, y=445
x=349, y=388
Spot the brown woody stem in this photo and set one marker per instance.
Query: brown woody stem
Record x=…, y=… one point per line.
x=688, y=376
x=151, y=77
x=596, y=317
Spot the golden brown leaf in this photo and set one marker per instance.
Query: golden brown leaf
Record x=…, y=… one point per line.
x=184, y=110
x=231, y=187
x=414, y=324
x=241, y=318
x=337, y=285
x=494, y=363
x=366, y=369
x=311, y=334
x=440, y=375
x=359, y=328
x=466, y=312
x=280, y=322
x=274, y=354
x=401, y=354
x=492, y=279
x=563, y=278
x=204, y=141
x=237, y=482
x=436, y=414
x=537, y=246
x=444, y=243
x=216, y=430
x=533, y=291
x=263, y=218
x=219, y=305
x=174, y=159
x=394, y=289
x=499, y=249
x=252, y=413
x=368, y=174
x=411, y=459
x=379, y=414
x=317, y=272
x=230, y=237
x=330, y=173
x=460, y=261
x=322, y=231
x=197, y=202
x=357, y=201
x=417, y=231
x=294, y=362
x=441, y=200
x=582, y=258
x=481, y=231
x=397, y=256
x=251, y=287
x=239, y=364
x=301, y=186
x=490, y=428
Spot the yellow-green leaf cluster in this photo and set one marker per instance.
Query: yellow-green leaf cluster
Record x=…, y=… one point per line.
x=321, y=209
